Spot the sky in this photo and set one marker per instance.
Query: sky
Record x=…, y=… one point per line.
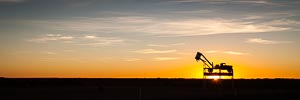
x=148, y=38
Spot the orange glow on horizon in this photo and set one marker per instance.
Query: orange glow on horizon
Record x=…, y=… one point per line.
x=213, y=77
x=185, y=68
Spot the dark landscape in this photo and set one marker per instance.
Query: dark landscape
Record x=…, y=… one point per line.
x=146, y=89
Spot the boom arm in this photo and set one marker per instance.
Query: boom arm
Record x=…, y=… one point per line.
x=198, y=57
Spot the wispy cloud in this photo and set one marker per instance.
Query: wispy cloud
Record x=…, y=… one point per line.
x=89, y=40
x=153, y=51
x=157, y=45
x=215, y=26
x=102, y=41
x=253, y=17
x=183, y=1
x=51, y=37
x=193, y=11
x=234, y=53
x=264, y=2
x=280, y=14
x=201, y=1
x=226, y=52
x=165, y=58
x=163, y=27
x=65, y=38
x=264, y=41
x=164, y=45
x=90, y=37
x=175, y=44
x=282, y=21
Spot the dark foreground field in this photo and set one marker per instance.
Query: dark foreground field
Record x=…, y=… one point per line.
x=147, y=89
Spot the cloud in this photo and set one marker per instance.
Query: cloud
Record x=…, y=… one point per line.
x=226, y=52
x=234, y=53
x=280, y=14
x=152, y=51
x=65, y=38
x=162, y=27
x=214, y=26
x=160, y=45
x=193, y=12
x=90, y=37
x=157, y=45
x=183, y=1
x=263, y=41
x=253, y=17
x=211, y=51
x=283, y=21
x=264, y=2
x=201, y=1
x=103, y=41
x=175, y=44
x=51, y=37
x=89, y=40
x=165, y=58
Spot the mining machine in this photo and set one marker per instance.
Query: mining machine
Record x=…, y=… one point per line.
x=210, y=70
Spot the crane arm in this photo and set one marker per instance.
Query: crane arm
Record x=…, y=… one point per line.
x=198, y=57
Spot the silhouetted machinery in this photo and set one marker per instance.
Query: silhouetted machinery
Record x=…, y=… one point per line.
x=211, y=70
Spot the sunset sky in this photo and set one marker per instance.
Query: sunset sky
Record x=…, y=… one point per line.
x=148, y=38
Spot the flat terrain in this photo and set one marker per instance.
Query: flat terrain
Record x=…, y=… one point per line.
x=147, y=89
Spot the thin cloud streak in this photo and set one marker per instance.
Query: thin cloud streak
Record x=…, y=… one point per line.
x=234, y=53
x=283, y=22
x=264, y=41
x=88, y=40
x=166, y=58
x=161, y=45
x=153, y=51
x=193, y=12
x=90, y=37
x=161, y=27
x=226, y=52
x=103, y=41
x=51, y=37
x=201, y=1
x=263, y=2
x=253, y=17
x=176, y=44
x=157, y=45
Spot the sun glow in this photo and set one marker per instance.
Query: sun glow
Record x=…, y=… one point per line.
x=213, y=77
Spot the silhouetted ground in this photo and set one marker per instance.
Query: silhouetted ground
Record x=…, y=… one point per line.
x=146, y=89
